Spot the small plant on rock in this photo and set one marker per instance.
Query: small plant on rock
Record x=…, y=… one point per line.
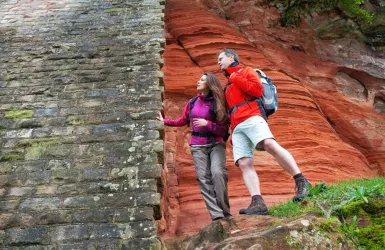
x=360, y=193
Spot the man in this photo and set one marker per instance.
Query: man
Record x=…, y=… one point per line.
x=250, y=130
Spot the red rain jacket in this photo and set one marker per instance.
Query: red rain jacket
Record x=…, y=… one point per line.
x=244, y=85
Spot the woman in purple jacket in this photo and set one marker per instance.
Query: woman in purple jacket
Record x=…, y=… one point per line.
x=208, y=119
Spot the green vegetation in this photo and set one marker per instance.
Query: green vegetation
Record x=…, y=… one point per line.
x=36, y=147
x=350, y=203
x=292, y=11
x=75, y=122
x=19, y=114
x=12, y=157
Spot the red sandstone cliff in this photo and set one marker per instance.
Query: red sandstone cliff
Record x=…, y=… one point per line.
x=330, y=117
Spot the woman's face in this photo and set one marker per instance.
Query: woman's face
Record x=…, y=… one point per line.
x=202, y=85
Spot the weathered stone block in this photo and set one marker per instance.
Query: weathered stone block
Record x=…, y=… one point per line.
x=153, y=244
x=93, y=216
x=148, y=199
x=5, y=220
x=58, y=164
x=43, y=190
x=118, y=200
x=3, y=179
x=104, y=92
x=22, y=133
x=21, y=191
x=95, y=174
x=102, y=244
x=65, y=175
x=69, y=233
x=124, y=173
x=134, y=214
x=19, y=236
x=149, y=171
x=48, y=217
x=2, y=236
x=38, y=178
x=46, y=112
x=100, y=231
x=41, y=132
x=140, y=229
x=30, y=123
x=9, y=205
x=33, y=247
x=40, y=204
x=81, y=202
x=57, y=151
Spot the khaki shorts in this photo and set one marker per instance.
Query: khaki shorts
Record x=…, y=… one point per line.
x=247, y=135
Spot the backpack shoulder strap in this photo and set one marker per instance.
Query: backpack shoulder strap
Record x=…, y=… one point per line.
x=227, y=85
x=262, y=75
x=192, y=101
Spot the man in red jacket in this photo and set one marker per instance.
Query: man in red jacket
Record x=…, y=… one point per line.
x=250, y=130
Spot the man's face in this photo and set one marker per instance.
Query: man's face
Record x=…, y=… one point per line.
x=225, y=61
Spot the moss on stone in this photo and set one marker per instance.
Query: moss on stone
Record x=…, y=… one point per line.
x=75, y=122
x=372, y=236
x=353, y=208
x=37, y=146
x=312, y=209
x=6, y=167
x=276, y=223
x=12, y=157
x=114, y=10
x=19, y=114
x=30, y=142
x=330, y=225
x=375, y=206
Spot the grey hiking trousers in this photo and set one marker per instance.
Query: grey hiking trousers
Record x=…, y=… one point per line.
x=211, y=171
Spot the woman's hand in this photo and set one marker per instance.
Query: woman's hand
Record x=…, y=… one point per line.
x=199, y=122
x=159, y=117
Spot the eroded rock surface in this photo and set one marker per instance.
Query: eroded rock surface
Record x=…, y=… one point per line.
x=330, y=116
x=264, y=232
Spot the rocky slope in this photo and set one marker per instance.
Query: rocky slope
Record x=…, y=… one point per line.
x=331, y=102
x=265, y=232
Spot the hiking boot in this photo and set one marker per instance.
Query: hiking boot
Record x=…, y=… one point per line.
x=257, y=206
x=302, y=187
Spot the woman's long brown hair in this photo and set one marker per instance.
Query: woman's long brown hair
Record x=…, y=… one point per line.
x=217, y=91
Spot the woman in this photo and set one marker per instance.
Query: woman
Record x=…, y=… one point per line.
x=208, y=118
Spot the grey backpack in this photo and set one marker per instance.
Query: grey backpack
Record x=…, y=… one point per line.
x=269, y=97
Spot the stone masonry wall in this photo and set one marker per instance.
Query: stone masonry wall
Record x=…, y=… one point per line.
x=81, y=151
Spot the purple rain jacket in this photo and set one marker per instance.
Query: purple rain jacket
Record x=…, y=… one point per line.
x=201, y=109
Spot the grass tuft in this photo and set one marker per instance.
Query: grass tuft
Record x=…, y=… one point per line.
x=345, y=201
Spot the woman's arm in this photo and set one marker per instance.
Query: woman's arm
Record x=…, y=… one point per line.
x=216, y=128
x=181, y=121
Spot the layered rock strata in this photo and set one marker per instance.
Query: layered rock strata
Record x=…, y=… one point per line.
x=331, y=127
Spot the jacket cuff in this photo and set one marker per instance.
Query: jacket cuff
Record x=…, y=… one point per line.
x=210, y=125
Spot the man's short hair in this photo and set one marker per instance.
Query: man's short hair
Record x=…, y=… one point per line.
x=230, y=52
